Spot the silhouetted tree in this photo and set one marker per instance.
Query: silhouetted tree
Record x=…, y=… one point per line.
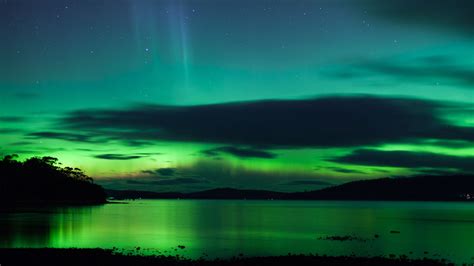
x=44, y=180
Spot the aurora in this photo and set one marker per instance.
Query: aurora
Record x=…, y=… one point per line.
x=189, y=95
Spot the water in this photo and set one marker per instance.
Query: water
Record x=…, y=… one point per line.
x=227, y=228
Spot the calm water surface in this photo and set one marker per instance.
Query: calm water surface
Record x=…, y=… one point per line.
x=227, y=228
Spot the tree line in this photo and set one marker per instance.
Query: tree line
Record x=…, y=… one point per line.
x=45, y=180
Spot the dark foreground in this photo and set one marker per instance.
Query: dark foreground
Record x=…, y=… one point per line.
x=109, y=257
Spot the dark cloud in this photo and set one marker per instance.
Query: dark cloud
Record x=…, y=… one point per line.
x=345, y=170
x=168, y=182
x=431, y=69
x=86, y=149
x=408, y=159
x=149, y=153
x=21, y=143
x=454, y=15
x=61, y=135
x=455, y=144
x=322, y=122
x=430, y=72
x=167, y=171
x=307, y=182
x=89, y=138
x=240, y=152
x=9, y=130
x=12, y=119
x=117, y=156
x=431, y=171
x=136, y=143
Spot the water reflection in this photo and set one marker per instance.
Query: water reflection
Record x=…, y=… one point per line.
x=227, y=228
x=25, y=230
x=42, y=226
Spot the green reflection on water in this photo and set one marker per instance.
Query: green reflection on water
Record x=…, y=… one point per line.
x=227, y=228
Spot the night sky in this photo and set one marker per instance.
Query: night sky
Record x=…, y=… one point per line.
x=185, y=95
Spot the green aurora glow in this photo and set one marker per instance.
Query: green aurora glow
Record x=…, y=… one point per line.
x=63, y=59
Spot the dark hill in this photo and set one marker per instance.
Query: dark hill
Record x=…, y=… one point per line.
x=420, y=188
x=44, y=181
x=218, y=193
x=139, y=194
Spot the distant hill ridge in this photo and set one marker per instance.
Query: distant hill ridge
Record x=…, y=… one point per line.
x=420, y=188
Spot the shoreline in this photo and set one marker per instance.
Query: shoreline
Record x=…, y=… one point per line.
x=97, y=256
